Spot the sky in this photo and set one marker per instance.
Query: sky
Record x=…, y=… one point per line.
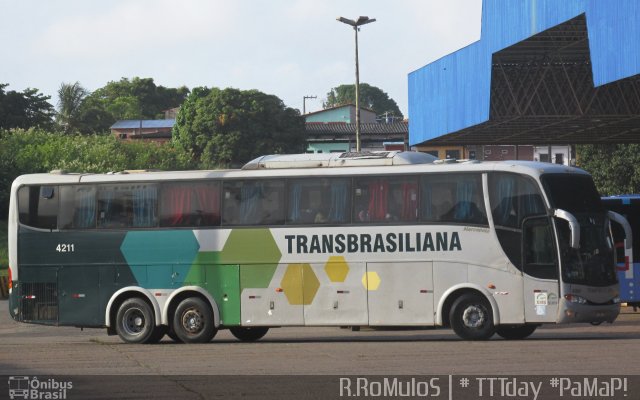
x=288, y=48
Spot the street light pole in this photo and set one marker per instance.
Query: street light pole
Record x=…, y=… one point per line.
x=355, y=24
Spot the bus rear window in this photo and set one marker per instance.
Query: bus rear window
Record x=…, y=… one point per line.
x=38, y=206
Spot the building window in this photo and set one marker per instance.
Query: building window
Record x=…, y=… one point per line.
x=452, y=154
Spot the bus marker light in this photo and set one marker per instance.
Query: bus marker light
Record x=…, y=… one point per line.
x=78, y=295
x=30, y=297
x=279, y=290
x=10, y=279
x=491, y=286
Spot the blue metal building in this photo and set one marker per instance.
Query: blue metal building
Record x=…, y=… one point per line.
x=543, y=72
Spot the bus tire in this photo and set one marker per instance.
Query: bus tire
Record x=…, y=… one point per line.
x=173, y=336
x=471, y=317
x=249, y=334
x=193, y=321
x=135, y=322
x=515, y=332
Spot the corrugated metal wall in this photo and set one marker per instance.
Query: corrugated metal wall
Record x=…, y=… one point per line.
x=453, y=92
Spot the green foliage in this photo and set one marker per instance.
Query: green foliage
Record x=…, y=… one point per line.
x=32, y=151
x=25, y=109
x=615, y=168
x=70, y=98
x=370, y=97
x=223, y=127
x=138, y=98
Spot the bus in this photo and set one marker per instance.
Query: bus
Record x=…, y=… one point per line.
x=627, y=205
x=380, y=239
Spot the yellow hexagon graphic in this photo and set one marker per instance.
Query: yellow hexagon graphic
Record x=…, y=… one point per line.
x=371, y=280
x=300, y=284
x=336, y=269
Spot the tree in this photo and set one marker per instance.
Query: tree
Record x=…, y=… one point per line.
x=70, y=99
x=222, y=127
x=138, y=98
x=25, y=109
x=615, y=168
x=370, y=97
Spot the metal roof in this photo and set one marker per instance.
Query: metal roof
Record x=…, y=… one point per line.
x=543, y=72
x=341, y=128
x=146, y=124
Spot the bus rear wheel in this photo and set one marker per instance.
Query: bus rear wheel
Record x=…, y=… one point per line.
x=193, y=321
x=515, y=332
x=249, y=334
x=471, y=317
x=135, y=321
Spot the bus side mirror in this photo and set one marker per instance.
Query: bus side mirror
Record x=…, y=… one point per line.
x=574, y=226
x=615, y=217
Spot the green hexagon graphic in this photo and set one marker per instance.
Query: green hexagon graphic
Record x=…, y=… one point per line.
x=300, y=284
x=255, y=250
x=336, y=269
x=169, y=254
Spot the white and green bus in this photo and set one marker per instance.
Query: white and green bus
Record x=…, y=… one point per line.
x=381, y=239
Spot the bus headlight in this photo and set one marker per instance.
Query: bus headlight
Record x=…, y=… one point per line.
x=572, y=298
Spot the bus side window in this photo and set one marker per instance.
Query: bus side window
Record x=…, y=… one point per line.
x=513, y=198
x=253, y=202
x=114, y=206
x=318, y=201
x=386, y=199
x=190, y=204
x=77, y=207
x=538, y=250
x=38, y=206
x=453, y=198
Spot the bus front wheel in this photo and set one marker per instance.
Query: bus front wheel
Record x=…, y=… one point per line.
x=471, y=317
x=249, y=334
x=135, y=321
x=193, y=321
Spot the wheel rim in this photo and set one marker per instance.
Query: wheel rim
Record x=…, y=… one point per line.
x=192, y=321
x=474, y=316
x=133, y=321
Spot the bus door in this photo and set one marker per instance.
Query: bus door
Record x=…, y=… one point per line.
x=540, y=269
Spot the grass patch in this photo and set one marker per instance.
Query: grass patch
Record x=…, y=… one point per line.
x=4, y=247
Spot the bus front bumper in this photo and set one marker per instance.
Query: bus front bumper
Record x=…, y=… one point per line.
x=575, y=312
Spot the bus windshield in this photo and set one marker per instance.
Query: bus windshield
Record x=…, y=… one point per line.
x=593, y=263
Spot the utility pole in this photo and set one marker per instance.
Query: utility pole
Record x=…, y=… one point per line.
x=304, y=103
